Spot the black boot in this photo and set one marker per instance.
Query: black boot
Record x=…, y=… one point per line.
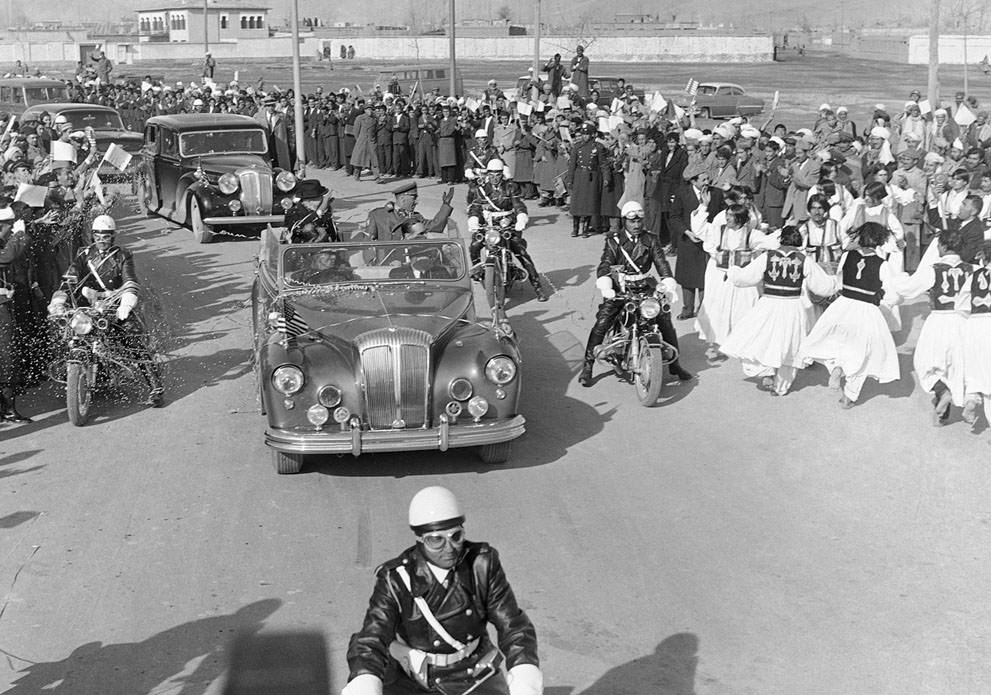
x=8, y=408
x=677, y=370
x=585, y=378
x=541, y=297
x=575, y=224
x=156, y=392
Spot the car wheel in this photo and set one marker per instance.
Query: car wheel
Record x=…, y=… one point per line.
x=203, y=233
x=287, y=464
x=495, y=453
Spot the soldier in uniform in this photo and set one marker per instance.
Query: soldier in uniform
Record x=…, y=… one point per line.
x=14, y=245
x=644, y=250
x=425, y=630
x=102, y=269
x=497, y=194
x=584, y=180
x=386, y=223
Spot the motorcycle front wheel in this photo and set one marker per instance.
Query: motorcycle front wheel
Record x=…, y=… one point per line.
x=78, y=393
x=648, y=376
x=495, y=291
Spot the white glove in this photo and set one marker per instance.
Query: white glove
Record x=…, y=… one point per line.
x=604, y=284
x=127, y=302
x=670, y=288
x=470, y=174
x=521, y=221
x=472, y=224
x=57, y=305
x=364, y=684
x=90, y=294
x=525, y=679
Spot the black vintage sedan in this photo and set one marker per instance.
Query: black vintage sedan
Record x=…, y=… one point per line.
x=211, y=172
x=374, y=346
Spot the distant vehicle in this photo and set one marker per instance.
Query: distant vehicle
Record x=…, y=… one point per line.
x=723, y=100
x=209, y=171
x=106, y=124
x=605, y=86
x=424, y=78
x=18, y=93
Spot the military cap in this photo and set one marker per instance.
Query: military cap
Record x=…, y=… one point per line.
x=409, y=187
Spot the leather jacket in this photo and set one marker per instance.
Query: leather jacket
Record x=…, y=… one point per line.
x=478, y=593
x=115, y=269
x=645, y=250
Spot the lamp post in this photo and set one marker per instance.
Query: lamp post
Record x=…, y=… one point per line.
x=536, y=41
x=452, y=67
x=297, y=102
x=206, y=26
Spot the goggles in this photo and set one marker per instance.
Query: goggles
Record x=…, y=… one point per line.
x=436, y=539
x=634, y=216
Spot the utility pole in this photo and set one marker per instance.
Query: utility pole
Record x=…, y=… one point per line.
x=452, y=67
x=536, y=40
x=932, y=93
x=206, y=26
x=297, y=89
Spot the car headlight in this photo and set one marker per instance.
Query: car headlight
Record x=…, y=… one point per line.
x=317, y=415
x=460, y=389
x=500, y=370
x=228, y=184
x=288, y=379
x=329, y=396
x=286, y=203
x=492, y=237
x=81, y=323
x=234, y=205
x=285, y=181
x=650, y=308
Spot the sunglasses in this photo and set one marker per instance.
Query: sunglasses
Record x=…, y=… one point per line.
x=436, y=541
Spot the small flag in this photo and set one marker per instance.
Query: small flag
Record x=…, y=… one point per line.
x=774, y=102
x=658, y=102
x=524, y=108
x=97, y=185
x=32, y=196
x=290, y=324
x=117, y=157
x=63, y=151
x=692, y=87
x=964, y=116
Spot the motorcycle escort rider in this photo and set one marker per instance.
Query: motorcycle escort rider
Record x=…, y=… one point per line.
x=104, y=268
x=497, y=194
x=636, y=250
x=425, y=630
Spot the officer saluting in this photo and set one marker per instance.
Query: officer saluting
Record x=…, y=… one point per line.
x=425, y=628
x=386, y=223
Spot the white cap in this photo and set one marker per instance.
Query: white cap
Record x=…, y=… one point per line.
x=693, y=134
x=725, y=131
x=434, y=508
x=825, y=107
x=842, y=109
x=880, y=132
x=748, y=131
x=957, y=144
x=779, y=142
x=197, y=102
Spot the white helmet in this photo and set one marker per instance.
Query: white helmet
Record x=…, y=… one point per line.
x=495, y=165
x=631, y=207
x=104, y=223
x=60, y=119
x=434, y=508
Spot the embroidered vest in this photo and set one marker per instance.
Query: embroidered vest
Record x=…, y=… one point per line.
x=862, y=278
x=737, y=257
x=784, y=273
x=980, y=292
x=950, y=280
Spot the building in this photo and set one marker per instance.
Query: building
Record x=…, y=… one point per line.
x=183, y=23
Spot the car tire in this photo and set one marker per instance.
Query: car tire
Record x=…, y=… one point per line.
x=202, y=233
x=495, y=453
x=287, y=464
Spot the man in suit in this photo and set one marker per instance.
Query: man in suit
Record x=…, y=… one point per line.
x=674, y=159
x=771, y=187
x=383, y=140
x=312, y=115
x=328, y=136
x=746, y=158
x=803, y=174
x=400, y=140
x=278, y=136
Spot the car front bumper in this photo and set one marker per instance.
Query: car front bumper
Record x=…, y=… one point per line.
x=276, y=220
x=357, y=441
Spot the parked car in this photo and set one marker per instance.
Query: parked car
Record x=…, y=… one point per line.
x=18, y=93
x=210, y=172
x=374, y=346
x=724, y=100
x=423, y=78
x=107, y=126
x=606, y=87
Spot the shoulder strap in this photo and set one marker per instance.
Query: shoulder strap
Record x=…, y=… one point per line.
x=633, y=265
x=421, y=603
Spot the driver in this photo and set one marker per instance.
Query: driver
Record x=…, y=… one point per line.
x=326, y=267
x=636, y=251
x=103, y=269
x=496, y=194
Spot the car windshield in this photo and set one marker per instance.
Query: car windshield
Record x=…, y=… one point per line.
x=39, y=95
x=313, y=265
x=707, y=89
x=97, y=119
x=223, y=141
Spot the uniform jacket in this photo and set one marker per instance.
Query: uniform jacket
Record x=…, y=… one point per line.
x=385, y=223
x=645, y=250
x=477, y=594
x=114, y=269
x=504, y=197
x=586, y=170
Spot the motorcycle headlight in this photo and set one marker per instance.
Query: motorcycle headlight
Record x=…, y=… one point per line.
x=285, y=181
x=650, y=308
x=500, y=370
x=492, y=237
x=228, y=184
x=81, y=323
x=288, y=379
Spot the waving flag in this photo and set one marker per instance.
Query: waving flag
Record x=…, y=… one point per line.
x=290, y=324
x=692, y=87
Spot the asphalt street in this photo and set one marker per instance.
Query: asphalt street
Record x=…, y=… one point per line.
x=724, y=542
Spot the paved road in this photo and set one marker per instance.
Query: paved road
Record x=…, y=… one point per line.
x=722, y=543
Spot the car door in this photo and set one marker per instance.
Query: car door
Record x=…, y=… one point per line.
x=734, y=94
x=149, y=166
x=168, y=170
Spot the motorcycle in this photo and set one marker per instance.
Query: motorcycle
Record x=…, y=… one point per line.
x=98, y=353
x=633, y=346
x=499, y=268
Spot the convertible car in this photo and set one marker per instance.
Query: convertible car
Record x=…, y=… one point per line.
x=374, y=346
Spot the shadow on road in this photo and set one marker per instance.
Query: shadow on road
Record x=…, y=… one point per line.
x=17, y=518
x=137, y=668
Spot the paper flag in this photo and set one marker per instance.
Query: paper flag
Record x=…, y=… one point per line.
x=539, y=107
x=564, y=133
x=616, y=105
x=117, y=157
x=774, y=102
x=97, y=185
x=563, y=103
x=603, y=125
x=236, y=73
x=925, y=107
x=33, y=196
x=615, y=122
x=964, y=116
x=524, y=108
x=472, y=104
x=63, y=151
x=692, y=87
x=658, y=102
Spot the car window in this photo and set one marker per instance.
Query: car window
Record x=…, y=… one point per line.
x=440, y=74
x=330, y=264
x=734, y=91
x=225, y=141
x=39, y=95
x=707, y=90
x=5, y=95
x=15, y=96
x=96, y=118
x=169, y=143
x=151, y=135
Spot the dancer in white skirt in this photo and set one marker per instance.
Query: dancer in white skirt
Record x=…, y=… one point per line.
x=851, y=337
x=768, y=339
x=977, y=340
x=939, y=358
x=724, y=304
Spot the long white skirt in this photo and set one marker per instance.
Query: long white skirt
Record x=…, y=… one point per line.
x=723, y=306
x=939, y=353
x=853, y=335
x=771, y=335
x=977, y=354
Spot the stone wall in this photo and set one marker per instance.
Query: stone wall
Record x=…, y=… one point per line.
x=951, y=49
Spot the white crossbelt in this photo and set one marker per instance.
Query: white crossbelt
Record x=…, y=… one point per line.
x=462, y=650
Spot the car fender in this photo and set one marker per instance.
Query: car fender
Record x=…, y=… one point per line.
x=187, y=187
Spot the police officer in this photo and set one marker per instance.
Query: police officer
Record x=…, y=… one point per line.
x=497, y=194
x=386, y=223
x=636, y=250
x=426, y=625
x=588, y=172
x=102, y=269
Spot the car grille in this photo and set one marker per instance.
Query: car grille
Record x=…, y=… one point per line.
x=256, y=191
x=395, y=366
